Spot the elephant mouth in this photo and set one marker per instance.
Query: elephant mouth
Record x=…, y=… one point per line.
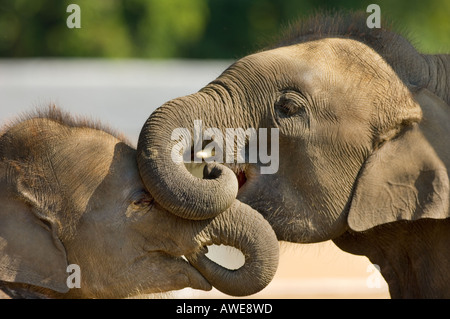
x=241, y=172
x=242, y=178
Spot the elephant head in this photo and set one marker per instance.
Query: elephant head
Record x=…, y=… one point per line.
x=71, y=194
x=345, y=102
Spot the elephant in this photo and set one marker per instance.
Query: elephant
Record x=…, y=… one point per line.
x=363, y=124
x=72, y=198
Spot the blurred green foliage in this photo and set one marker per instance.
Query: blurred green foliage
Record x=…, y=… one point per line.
x=189, y=28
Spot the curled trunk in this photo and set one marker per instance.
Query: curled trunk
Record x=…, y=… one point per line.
x=163, y=171
x=245, y=229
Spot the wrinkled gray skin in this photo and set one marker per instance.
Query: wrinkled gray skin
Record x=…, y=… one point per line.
x=71, y=193
x=364, y=149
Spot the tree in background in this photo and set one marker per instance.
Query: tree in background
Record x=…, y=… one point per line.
x=189, y=28
x=109, y=28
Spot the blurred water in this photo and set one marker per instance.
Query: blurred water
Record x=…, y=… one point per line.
x=120, y=93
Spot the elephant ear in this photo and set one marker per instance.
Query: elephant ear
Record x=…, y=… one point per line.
x=403, y=180
x=30, y=252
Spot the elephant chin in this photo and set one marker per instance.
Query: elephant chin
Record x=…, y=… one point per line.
x=194, y=278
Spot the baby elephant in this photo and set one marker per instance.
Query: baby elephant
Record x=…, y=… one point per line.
x=77, y=222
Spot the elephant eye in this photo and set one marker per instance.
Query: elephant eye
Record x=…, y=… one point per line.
x=290, y=103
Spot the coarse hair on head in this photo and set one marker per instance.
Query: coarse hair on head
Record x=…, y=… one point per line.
x=341, y=24
x=54, y=113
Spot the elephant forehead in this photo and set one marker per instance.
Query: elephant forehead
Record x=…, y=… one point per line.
x=277, y=69
x=325, y=59
x=312, y=67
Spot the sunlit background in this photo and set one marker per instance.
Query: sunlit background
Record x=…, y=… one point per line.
x=130, y=56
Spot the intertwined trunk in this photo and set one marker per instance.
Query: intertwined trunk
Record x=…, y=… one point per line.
x=161, y=166
x=245, y=229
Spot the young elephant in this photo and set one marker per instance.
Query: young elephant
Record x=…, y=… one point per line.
x=70, y=193
x=364, y=126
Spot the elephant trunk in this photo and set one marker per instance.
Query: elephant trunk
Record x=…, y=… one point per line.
x=160, y=161
x=245, y=229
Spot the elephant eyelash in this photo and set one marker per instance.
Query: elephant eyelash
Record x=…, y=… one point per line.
x=290, y=104
x=144, y=202
x=286, y=107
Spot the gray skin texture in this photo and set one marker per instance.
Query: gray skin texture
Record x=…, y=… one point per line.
x=363, y=147
x=71, y=193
